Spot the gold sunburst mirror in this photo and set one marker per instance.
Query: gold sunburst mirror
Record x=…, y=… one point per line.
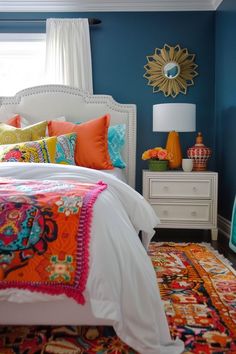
x=170, y=70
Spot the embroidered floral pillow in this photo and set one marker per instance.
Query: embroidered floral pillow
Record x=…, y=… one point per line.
x=65, y=149
x=30, y=151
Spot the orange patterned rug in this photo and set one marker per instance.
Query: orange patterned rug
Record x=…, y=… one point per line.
x=198, y=288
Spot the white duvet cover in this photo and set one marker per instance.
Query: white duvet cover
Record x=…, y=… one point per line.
x=121, y=286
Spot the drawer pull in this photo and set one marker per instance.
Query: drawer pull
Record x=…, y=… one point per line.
x=165, y=212
x=194, y=213
x=166, y=188
x=195, y=189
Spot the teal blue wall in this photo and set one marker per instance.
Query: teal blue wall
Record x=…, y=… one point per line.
x=225, y=104
x=119, y=48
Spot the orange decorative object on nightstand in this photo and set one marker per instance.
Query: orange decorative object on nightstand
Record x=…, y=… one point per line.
x=200, y=154
x=174, y=150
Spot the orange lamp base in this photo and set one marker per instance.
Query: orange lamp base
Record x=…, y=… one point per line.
x=174, y=149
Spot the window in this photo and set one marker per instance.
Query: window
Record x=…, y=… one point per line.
x=22, y=62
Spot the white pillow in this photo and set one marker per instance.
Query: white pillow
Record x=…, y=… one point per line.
x=25, y=122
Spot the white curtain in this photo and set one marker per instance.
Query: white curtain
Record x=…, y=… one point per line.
x=68, y=53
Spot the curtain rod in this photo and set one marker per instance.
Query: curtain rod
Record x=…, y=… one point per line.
x=91, y=21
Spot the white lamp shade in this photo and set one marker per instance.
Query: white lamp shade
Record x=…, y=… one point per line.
x=180, y=117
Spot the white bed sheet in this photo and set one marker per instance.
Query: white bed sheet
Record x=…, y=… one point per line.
x=121, y=286
x=118, y=173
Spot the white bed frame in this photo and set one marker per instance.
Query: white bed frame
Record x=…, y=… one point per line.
x=46, y=103
x=52, y=101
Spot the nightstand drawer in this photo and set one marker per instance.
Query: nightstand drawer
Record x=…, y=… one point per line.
x=176, y=188
x=183, y=212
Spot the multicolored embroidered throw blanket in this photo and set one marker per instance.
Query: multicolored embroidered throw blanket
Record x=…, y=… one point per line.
x=44, y=235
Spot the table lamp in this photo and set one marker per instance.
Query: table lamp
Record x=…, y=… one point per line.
x=174, y=118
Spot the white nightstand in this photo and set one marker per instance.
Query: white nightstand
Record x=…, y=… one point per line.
x=183, y=200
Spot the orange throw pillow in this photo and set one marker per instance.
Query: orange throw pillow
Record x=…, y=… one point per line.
x=91, y=149
x=14, y=121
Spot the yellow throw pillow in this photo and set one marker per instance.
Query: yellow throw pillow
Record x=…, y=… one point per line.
x=30, y=151
x=12, y=135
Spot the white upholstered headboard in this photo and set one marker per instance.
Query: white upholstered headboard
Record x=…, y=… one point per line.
x=52, y=101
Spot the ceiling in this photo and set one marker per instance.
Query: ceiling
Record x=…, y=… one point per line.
x=107, y=5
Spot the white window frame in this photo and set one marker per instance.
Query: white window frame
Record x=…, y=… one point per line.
x=14, y=37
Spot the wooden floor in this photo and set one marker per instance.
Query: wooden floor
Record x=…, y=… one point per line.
x=221, y=245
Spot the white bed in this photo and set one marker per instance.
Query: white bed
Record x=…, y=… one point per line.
x=121, y=289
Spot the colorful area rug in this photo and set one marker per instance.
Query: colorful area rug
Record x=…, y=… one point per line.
x=198, y=288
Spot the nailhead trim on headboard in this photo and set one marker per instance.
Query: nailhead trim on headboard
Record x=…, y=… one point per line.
x=108, y=101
